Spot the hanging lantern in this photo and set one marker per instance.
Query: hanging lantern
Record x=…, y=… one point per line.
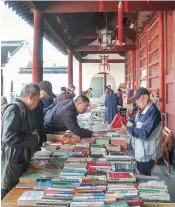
x=106, y=39
x=101, y=6
x=104, y=65
x=120, y=23
x=126, y=5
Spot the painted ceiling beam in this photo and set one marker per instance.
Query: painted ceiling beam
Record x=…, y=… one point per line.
x=109, y=6
x=95, y=48
x=99, y=60
x=91, y=34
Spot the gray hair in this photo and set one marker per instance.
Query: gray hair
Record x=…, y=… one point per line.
x=30, y=88
x=3, y=100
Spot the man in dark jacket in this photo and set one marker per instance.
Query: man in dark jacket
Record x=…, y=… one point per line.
x=64, y=95
x=37, y=115
x=17, y=140
x=119, y=96
x=47, y=101
x=63, y=116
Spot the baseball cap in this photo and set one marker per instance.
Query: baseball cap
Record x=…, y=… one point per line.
x=71, y=86
x=141, y=91
x=47, y=87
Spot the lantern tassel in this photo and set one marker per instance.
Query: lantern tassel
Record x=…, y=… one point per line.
x=101, y=6
x=126, y=5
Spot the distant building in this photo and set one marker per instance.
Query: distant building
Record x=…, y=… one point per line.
x=16, y=65
x=16, y=69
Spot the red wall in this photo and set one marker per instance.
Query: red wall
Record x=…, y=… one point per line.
x=148, y=60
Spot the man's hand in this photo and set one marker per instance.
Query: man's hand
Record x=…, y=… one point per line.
x=122, y=130
x=35, y=131
x=98, y=134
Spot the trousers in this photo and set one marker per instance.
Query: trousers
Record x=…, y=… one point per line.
x=145, y=167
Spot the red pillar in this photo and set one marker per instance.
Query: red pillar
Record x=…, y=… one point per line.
x=133, y=70
x=105, y=76
x=70, y=68
x=37, y=71
x=147, y=62
x=162, y=70
x=80, y=78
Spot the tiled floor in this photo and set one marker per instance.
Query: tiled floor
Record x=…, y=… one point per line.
x=163, y=172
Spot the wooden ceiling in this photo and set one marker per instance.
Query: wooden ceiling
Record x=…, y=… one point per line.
x=72, y=25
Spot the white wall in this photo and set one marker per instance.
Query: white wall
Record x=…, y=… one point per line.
x=117, y=71
x=57, y=80
x=89, y=70
x=10, y=71
x=110, y=80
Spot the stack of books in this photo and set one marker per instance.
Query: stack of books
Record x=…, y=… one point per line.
x=98, y=152
x=50, y=171
x=113, y=148
x=98, y=166
x=30, y=198
x=121, y=185
x=153, y=190
x=43, y=155
x=90, y=192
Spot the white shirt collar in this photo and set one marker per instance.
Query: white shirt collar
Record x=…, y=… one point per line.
x=147, y=107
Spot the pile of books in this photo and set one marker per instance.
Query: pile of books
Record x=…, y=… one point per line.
x=151, y=188
x=91, y=174
x=98, y=151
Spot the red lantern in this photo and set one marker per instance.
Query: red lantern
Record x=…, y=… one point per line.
x=104, y=63
x=101, y=6
x=126, y=5
x=120, y=22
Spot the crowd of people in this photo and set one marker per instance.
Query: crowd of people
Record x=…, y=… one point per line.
x=38, y=111
x=25, y=122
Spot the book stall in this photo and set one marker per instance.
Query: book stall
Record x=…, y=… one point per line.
x=93, y=118
x=88, y=172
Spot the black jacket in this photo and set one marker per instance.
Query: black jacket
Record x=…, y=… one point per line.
x=63, y=116
x=47, y=101
x=36, y=117
x=17, y=142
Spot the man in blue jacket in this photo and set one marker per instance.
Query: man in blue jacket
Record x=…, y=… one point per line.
x=145, y=129
x=63, y=116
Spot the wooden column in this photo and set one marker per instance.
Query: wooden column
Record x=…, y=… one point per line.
x=147, y=61
x=37, y=71
x=105, y=81
x=162, y=69
x=80, y=78
x=70, y=68
x=133, y=70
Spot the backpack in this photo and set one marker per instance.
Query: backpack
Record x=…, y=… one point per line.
x=21, y=107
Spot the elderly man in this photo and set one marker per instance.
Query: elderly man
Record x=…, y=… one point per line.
x=17, y=139
x=3, y=104
x=145, y=129
x=37, y=115
x=63, y=116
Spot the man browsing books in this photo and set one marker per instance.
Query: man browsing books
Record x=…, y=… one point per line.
x=17, y=139
x=145, y=129
x=63, y=116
